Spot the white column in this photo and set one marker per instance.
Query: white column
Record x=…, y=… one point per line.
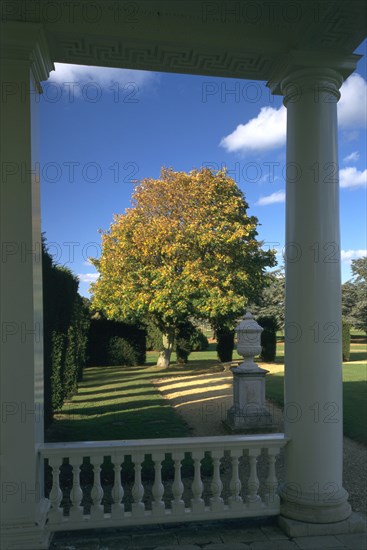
x=313, y=491
x=23, y=509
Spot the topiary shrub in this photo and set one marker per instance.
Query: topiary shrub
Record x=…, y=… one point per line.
x=268, y=338
x=122, y=352
x=225, y=344
x=183, y=345
x=101, y=332
x=154, y=337
x=198, y=340
x=345, y=340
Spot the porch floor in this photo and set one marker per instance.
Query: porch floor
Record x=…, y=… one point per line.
x=247, y=534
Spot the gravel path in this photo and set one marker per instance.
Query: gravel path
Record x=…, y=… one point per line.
x=203, y=404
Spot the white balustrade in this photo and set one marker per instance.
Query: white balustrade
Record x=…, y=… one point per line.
x=97, y=510
x=236, y=495
x=118, y=508
x=253, y=499
x=76, y=494
x=235, y=500
x=271, y=497
x=197, y=487
x=158, y=487
x=56, y=492
x=138, y=507
x=178, y=505
x=216, y=502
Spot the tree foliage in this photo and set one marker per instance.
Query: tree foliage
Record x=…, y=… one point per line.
x=354, y=295
x=272, y=299
x=185, y=249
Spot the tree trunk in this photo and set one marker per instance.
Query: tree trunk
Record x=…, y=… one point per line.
x=165, y=355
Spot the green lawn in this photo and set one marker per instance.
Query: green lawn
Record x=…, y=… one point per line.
x=354, y=397
x=117, y=403
x=122, y=402
x=354, y=387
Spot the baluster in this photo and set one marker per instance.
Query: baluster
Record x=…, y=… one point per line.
x=158, y=507
x=117, y=509
x=138, y=507
x=178, y=505
x=216, y=502
x=253, y=499
x=235, y=500
x=97, y=508
x=271, y=497
x=55, y=496
x=197, y=503
x=76, y=494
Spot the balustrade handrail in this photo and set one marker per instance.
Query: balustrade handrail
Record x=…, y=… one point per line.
x=207, y=442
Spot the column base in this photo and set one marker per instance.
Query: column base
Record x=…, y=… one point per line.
x=314, y=507
x=293, y=528
x=25, y=535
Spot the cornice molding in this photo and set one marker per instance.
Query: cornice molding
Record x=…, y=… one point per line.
x=161, y=56
x=27, y=42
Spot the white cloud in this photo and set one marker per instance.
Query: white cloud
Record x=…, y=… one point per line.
x=105, y=77
x=266, y=131
x=278, y=196
x=348, y=255
x=351, y=177
x=88, y=277
x=353, y=135
x=352, y=106
x=353, y=157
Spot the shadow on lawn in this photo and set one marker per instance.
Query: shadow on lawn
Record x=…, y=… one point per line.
x=358, y=355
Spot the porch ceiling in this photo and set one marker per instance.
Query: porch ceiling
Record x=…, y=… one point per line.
x=233, y=38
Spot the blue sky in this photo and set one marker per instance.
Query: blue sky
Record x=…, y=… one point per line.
x=102, y=129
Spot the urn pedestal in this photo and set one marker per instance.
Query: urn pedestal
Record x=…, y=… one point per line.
x=249, y=412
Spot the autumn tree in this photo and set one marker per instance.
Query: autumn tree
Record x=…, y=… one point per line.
x=186, y=248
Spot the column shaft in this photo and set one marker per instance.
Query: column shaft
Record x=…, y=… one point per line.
x=313, y=371
x=23, y=506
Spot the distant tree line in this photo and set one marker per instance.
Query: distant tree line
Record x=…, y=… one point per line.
x=354, y=296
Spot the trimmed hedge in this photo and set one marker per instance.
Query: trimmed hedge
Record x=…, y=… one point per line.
x=268, y=338
x=345, y=340
x=65, y=326
x=225, y=344
x=115, y=343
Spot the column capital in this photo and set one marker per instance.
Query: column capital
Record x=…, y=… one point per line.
x=314, y=80
x=324, y=65
x=27, y=42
